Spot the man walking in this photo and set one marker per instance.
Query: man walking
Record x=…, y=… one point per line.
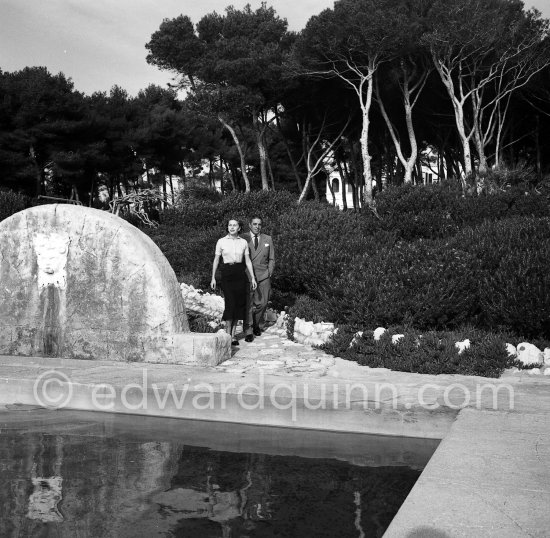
x=262, y=256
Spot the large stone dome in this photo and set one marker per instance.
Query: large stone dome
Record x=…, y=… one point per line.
x=77, y=282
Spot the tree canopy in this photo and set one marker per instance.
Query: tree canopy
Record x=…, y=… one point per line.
x=372, y=90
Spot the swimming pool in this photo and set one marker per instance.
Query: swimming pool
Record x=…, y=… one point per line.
x=69, y=473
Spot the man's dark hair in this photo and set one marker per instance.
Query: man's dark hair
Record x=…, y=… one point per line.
x=256, y=217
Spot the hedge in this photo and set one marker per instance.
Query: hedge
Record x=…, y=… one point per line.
x=12, y=202
x=430, y=352
x=493, y=276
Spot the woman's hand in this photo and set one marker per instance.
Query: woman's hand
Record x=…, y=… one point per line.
x=213, y=283
x=254, y=284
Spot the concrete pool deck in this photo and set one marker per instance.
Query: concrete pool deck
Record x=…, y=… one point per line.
x=490, y=476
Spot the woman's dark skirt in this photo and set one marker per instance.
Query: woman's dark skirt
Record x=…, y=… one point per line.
x=234, y=285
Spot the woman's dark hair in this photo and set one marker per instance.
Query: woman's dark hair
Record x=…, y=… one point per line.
x=238, y=222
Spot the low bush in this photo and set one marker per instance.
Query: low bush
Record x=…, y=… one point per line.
x=514, y=287
x=190, y=251
x=413, y=212
x=12, y=202
x=441, y=210
x=202, y=324
x=200, y=211
x=432, y=352
x=427, y=283
x=314, y=244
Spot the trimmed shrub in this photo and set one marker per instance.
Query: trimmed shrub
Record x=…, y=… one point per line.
x=12, y=202
x=202, y=211
x=441, y=210
x=189, y=251
x=492, y=276
x=315, y=244
x=269, y=205
x=514, y=291
x=425, y=283
x=432, y=352
x=202, y=324
x=413, y=212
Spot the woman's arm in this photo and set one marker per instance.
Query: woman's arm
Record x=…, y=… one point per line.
x=250, y=268
x=214, y=269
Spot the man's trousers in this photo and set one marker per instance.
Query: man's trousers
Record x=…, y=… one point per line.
x=256, y=306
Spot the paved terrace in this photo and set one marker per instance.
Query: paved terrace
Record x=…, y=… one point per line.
x=489, y=477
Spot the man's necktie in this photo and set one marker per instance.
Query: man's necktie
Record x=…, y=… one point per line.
x=255, y=242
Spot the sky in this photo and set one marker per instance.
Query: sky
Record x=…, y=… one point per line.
x=100, y=43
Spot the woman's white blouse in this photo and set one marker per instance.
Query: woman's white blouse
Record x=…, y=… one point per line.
x=232, y=250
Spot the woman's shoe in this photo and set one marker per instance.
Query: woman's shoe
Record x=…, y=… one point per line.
x=235, y=343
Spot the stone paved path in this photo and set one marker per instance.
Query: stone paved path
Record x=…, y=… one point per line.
x=273, y=352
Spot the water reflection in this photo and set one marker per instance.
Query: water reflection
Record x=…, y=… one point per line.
x=68, y=474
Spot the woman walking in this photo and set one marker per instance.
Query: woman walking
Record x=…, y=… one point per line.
x=234, y=282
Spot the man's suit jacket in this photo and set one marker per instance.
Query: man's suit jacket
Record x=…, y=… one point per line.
x=263, y=258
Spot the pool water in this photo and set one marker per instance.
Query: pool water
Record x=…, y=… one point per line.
x=77, y=474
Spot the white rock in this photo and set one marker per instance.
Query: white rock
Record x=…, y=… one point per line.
x=461, y=346
x=511, y=349
x=534, y=371
x=547, y=371
x=312, y=341
x=529, y=354
x=301, y=326
x=307, y=328
x=378, y=332
x=396, y=337
x=546, y=355
x=281, y=320
x=355, y=338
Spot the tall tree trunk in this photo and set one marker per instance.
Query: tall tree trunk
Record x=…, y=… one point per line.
x=366, y=157
x=315, y=188
x=289, y=153
x=210, y=172
x=270, y=170
x=240, y=150
x=458, y=106
x=229, y=169
x=92, y=189
x=183, y=175
x=330, y=188
x=482, y=164
x=172, y=189
x=260, y=142
x=343, y=184
x=538, y=163
x=38, y=171
x=407, y=162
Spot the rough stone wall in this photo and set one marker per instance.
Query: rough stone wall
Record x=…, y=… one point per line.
x=77, y=282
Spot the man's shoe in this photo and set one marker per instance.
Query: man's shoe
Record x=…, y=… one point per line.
x=257, y=332
x=235, y=343
x=248, y=338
